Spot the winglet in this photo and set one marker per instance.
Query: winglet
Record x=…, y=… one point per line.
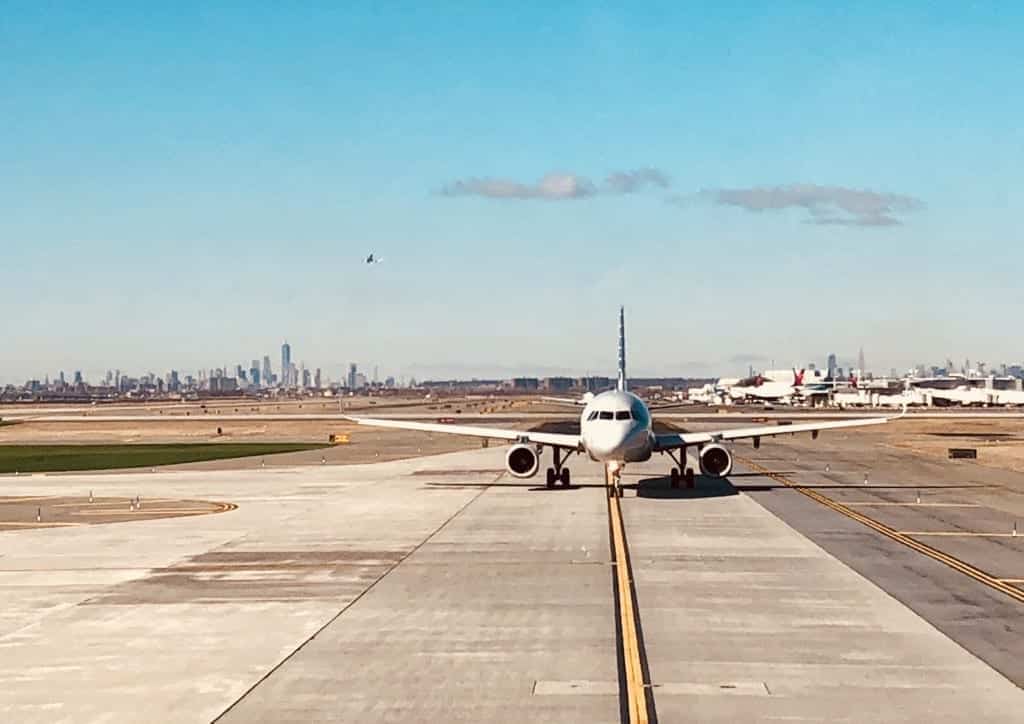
x=903, y=411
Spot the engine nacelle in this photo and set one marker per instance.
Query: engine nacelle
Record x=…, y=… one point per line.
x=522, y=461
x=715, y=461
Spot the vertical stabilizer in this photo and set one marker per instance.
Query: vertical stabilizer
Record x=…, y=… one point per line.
x=622, y=349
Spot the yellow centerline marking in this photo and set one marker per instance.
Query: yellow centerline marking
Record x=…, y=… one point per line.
x=955, y=563
x=635, y=690
x=1012, y=580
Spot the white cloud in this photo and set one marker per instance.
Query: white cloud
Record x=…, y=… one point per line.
x=558, y=186
x=554, y=186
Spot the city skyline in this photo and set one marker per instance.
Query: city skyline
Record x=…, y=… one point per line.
x=291, y=375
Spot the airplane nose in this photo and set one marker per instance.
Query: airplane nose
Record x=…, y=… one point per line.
x=610, y=442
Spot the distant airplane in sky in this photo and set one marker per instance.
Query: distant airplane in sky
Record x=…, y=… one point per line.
x=615, y=429
x=371, y=259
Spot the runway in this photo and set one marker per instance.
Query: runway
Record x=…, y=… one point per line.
x=142, y=415
x=439, y=587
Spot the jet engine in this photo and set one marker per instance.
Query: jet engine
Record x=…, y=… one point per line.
x=522, y=461
x=715, y=461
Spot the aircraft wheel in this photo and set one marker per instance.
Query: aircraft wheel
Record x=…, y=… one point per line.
x=689, y=477
x=566, y=477
x=675, y=477
x=551, y=478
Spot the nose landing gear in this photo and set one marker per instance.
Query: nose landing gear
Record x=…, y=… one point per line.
x=613, y=479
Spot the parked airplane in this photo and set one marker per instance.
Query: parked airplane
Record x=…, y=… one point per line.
x=616, y=429
x=766, y=389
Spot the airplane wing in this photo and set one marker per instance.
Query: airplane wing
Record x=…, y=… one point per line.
x=669, y=405
x=566, y=401
x=683, y=439
x=552, y=439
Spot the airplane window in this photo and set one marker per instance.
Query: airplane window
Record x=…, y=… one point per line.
x=622, y=415
x=607, y=415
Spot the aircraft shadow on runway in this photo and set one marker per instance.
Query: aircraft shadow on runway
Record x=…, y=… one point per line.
x=529, y=486
x=652, y=487
x=704, y=487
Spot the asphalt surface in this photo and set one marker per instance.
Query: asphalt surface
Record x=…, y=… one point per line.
x=965, y=510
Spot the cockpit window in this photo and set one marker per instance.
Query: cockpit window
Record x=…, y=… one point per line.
x=592, y=416
x=622, y=415
x=607, y=415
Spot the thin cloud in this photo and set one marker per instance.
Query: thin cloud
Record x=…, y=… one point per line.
x=558, y=186
x=825, y=205
x=627, y=182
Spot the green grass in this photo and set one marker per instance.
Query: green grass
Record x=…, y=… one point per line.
x=54, y=458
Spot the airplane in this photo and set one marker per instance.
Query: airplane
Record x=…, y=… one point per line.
x=588, y=396
x=616, y=429
x=764, y=389
x=371, y=259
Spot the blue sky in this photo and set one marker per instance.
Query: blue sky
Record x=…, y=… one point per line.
x=186, y=187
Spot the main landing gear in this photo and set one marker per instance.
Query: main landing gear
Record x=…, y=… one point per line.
x=686, y=476
x=559, y=473
x=678, y=473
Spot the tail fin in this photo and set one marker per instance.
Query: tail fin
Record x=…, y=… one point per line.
x=622, y=349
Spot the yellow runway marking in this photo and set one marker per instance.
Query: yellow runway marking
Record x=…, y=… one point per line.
x=934, y=553
x=869, y=504
x=1012, y=580
x=636, y=691
x=957, y=534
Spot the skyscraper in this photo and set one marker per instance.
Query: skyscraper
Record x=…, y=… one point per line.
x=352, y=373
x=286, y=364
x=268, y=374
x=860, y=361
x=832, y=366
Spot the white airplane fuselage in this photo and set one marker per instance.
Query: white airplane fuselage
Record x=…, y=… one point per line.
x=615, y=426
